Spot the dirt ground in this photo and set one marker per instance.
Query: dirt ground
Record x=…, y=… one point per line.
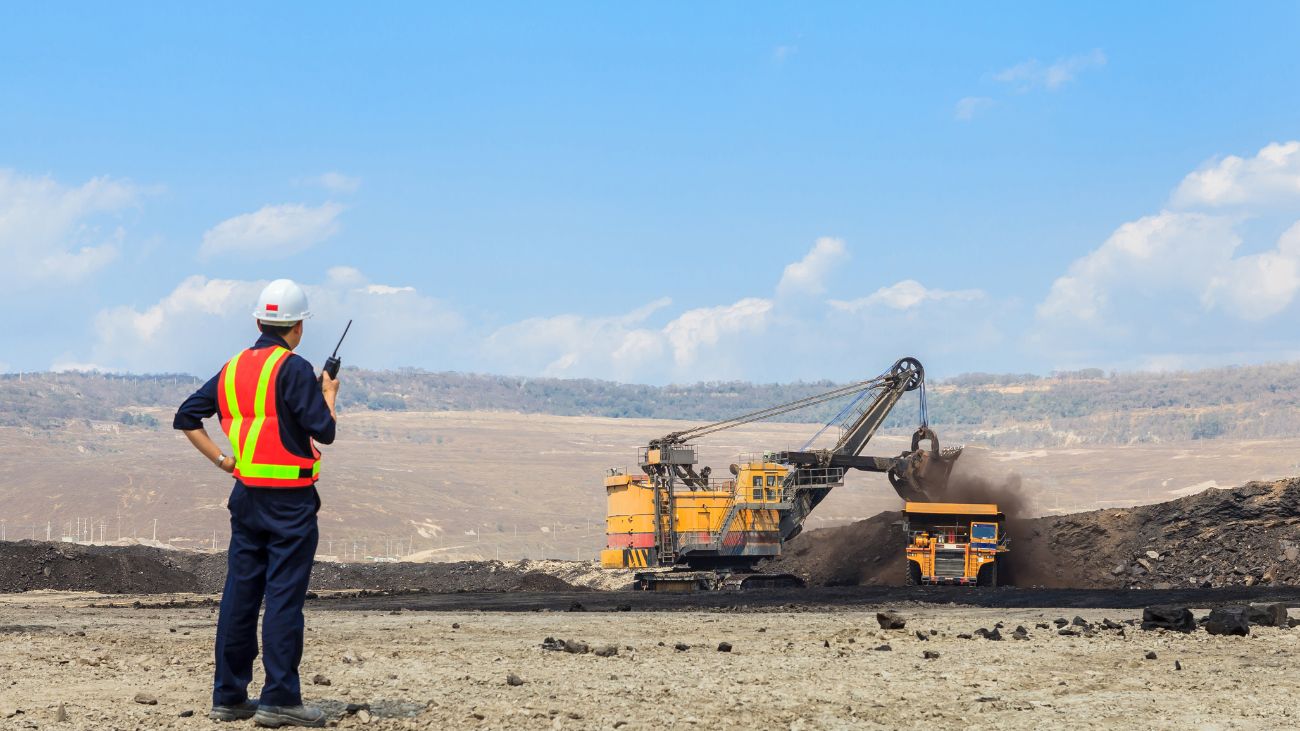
x=787, y=670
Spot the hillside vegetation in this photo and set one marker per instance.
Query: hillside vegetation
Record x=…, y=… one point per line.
x=1084, y=407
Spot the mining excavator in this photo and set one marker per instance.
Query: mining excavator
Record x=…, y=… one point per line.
x=688, y=530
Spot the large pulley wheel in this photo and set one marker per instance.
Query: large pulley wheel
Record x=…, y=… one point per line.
x=910, y=371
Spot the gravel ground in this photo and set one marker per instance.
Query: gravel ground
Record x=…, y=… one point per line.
x=785, y=671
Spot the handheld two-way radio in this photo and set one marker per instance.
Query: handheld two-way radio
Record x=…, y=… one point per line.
x=333, y=363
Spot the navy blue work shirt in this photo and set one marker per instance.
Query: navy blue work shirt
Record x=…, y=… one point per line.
x=304, y=415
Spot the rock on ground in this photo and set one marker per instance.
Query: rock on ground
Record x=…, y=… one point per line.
x=1228, y=621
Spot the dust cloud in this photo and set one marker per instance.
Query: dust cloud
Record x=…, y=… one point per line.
x=976, y=479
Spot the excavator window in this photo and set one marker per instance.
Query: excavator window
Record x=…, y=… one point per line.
x=771, y=487
x=758, y=488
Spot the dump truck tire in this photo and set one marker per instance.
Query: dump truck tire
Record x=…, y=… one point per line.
x=913, y=574
x=988, y=575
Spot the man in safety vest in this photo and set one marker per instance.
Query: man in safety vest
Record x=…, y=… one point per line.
x=274, y=410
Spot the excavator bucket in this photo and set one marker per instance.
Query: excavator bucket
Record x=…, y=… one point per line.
x=922, y=474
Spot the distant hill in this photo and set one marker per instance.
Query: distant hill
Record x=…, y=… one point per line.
x=1082, y=407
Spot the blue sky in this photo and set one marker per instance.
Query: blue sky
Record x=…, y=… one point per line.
x=655, y=193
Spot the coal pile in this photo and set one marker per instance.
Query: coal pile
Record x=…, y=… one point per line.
x=32, y=565
x=1245, y=536
x=29, y=565
x=866, y=553
x=1218, y=538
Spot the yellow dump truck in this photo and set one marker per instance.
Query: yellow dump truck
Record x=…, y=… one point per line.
x=954, y=543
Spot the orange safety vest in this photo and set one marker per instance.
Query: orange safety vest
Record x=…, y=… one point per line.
x=246, y=399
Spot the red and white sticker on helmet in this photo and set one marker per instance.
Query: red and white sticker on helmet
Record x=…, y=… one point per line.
x=272, y=308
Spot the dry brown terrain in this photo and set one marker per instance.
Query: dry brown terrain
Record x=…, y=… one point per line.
x=458, y=485
x=787, y=670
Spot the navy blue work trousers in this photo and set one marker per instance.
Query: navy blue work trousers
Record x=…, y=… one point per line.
x=273, y=538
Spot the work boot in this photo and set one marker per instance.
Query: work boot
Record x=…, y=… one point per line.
x=238, y=712
x=277, y=716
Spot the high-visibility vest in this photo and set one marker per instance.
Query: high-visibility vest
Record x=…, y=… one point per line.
x=246, y=400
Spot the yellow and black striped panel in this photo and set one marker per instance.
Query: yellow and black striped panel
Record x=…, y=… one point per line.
x=627, y=558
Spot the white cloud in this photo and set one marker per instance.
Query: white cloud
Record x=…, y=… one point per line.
x=1033, y=74
x=756, y=337
x=386, y=289
x=202, y=322
x=1272, y=176
x=272, y=232
x=197, y=302
x=971, y=106
x=706, y=326
x=905, y=295
x=1258, y=286
x=617, y=346
x=808, y=275
x=335, y=182
x=624, y=347
x=701, y=343
x=343, y=276
x=53, y=233
x=1176, y=284
x=1167, y=252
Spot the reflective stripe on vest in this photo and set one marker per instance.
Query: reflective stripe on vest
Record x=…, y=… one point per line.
x=249, y=438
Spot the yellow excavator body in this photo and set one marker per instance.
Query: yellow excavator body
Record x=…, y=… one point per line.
x=697, y=515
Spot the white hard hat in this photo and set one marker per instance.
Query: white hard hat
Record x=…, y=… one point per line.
x=282, y=302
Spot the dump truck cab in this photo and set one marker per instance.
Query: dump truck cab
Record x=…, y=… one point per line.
x=954, y=543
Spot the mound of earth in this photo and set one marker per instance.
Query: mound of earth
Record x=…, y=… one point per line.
x=29, y=565
x=866, y=553
x=32, y=565
x=1217, y=538
x=1238, y=537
